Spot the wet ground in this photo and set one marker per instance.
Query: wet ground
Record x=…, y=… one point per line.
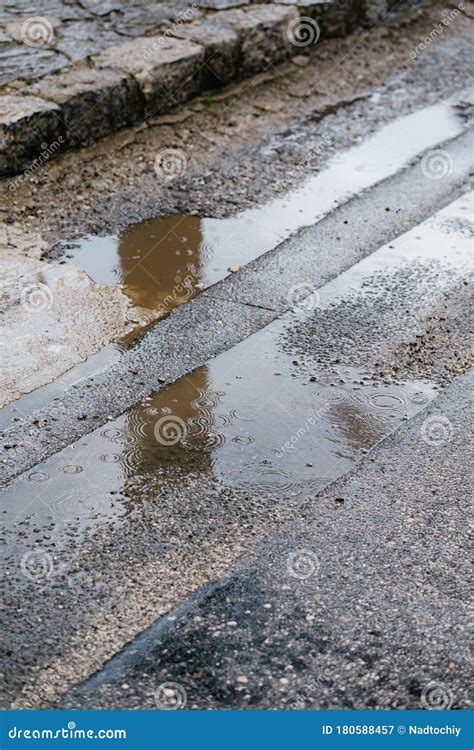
x=117, y=377
x=186, y=480
x=253, y=427
x=165, y=261
x=362, y=602
x=215, y=432
x=258, y=150
x=250, y=142
x=242, y=413
x=146, y=472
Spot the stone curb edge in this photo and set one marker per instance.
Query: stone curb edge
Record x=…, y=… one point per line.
x=148, y=76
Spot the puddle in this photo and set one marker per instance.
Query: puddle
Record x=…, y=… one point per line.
x=395, y=145
x=166, y=261
x=252, y=418
x=236, y=418
x=160, y=263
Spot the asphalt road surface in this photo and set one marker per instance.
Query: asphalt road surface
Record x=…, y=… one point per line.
x=236, y=404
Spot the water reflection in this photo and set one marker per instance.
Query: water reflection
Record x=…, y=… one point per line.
x=159, y=262
x=260, y=429
x=249, y=418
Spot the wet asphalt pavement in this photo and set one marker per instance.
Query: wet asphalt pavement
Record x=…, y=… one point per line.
x=135, y=516
x=362, y=603
x=267, y=488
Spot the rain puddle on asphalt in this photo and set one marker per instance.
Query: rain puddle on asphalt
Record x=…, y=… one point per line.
x=256, y=418
x=166, y=261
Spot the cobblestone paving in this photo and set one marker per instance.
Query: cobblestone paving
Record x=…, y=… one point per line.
x=80, y=29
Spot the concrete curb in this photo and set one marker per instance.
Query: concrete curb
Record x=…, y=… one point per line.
x=152, y=75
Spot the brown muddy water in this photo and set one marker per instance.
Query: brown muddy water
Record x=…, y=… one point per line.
x=253, y=418
x=160, y=263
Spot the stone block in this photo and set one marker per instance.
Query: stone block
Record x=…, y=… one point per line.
x=93, y=102
x=168, y=70
x=265, y=35
x=334, y=17
x=28, y=126
x=222, y=50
